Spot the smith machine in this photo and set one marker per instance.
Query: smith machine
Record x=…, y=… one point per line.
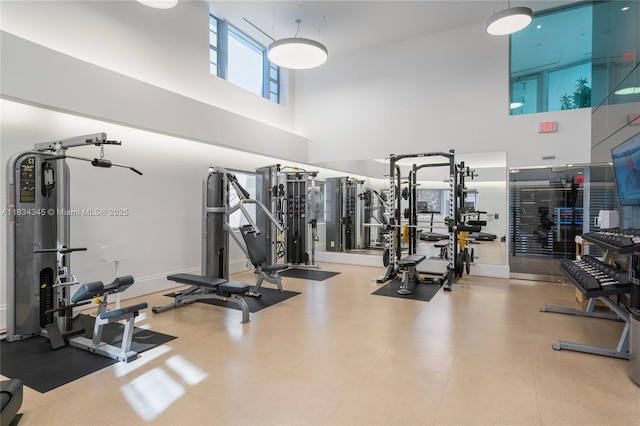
x=39, y=279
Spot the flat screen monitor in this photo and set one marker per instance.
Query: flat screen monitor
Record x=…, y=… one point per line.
x=626, y=164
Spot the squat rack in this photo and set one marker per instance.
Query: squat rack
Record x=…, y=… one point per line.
x=454, y=223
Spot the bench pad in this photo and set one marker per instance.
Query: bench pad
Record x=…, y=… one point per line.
x=234, y=287
x=411, y=260
x=122, y=311
x=276, y=267
x=199, y=280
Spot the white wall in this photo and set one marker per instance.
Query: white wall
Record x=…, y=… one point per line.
x=429, y=94
x=71, y=85
x=117, y=66
x=165, y=48
x=163, y=223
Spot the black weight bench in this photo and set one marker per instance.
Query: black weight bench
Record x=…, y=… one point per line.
x=93, y=327
x=11, y=400
x=407, y=266
x=205, y=288
x=433, y=236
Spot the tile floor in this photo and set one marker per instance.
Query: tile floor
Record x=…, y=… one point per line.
x=337, y=355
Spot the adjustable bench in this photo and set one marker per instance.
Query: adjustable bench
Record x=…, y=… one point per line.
x=205, y=288
x=407, y=266
x=92, y=341
x=271, y=273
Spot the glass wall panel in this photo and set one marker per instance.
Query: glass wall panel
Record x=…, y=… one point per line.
x=615, y=45
x=569, y=88
x=550, y=207
x=549, y=58
x=524, y=96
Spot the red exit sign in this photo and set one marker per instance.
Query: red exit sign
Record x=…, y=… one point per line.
x=548, y=127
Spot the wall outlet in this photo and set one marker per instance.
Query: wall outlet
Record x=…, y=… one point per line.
x=333, y=244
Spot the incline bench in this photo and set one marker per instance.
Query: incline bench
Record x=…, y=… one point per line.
x=407, y=266
x=204, y=288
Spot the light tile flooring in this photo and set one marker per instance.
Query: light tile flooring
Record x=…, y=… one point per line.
x=337, y=355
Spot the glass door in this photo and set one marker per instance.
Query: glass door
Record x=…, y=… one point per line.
x=549, y=208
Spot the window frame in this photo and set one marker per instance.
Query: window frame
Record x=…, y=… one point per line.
x=270, y=85
x=236, y=218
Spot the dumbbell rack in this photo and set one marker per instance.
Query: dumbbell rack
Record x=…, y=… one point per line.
x=601, y=280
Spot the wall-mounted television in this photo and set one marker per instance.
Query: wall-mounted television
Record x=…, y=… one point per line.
x=626, y=163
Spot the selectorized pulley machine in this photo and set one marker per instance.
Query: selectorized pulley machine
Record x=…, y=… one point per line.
x=344, y=230
x=39, y=278
x=214, y=282
x=291, y=195
x=217, y=208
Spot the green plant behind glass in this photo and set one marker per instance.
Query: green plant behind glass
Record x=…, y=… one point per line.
x=581, y=97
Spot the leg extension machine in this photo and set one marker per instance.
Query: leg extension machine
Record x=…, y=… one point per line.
x=93, y=329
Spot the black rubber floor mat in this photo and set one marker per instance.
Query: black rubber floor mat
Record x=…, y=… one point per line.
x=423, y=292
x=43, y=369
x=308, y=274
x=270, y=297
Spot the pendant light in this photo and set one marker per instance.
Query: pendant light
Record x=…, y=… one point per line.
x=297, y=53
x=631, y=90
x=159, y=4
x=509, y=21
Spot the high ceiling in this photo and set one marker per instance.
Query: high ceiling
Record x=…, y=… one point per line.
x=348, y=26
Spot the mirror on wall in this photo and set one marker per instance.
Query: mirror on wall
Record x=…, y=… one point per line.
x=355, y=205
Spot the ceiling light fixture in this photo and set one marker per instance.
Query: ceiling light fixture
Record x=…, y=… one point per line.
x=297, y=53
x=509, y=21
x=159, y=4
x=628, y=91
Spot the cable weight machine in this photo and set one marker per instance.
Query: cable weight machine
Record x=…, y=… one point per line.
x=344, y=221
x=292, y=197
x=39, y=278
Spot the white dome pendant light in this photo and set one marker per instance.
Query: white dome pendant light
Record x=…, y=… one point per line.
x=297, y=53
x=159, y=4
x=510, y=20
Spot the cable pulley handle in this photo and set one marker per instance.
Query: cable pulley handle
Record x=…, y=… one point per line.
x=96, y=162
x=236, y=185
x=101, y=162
x=63, y=250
